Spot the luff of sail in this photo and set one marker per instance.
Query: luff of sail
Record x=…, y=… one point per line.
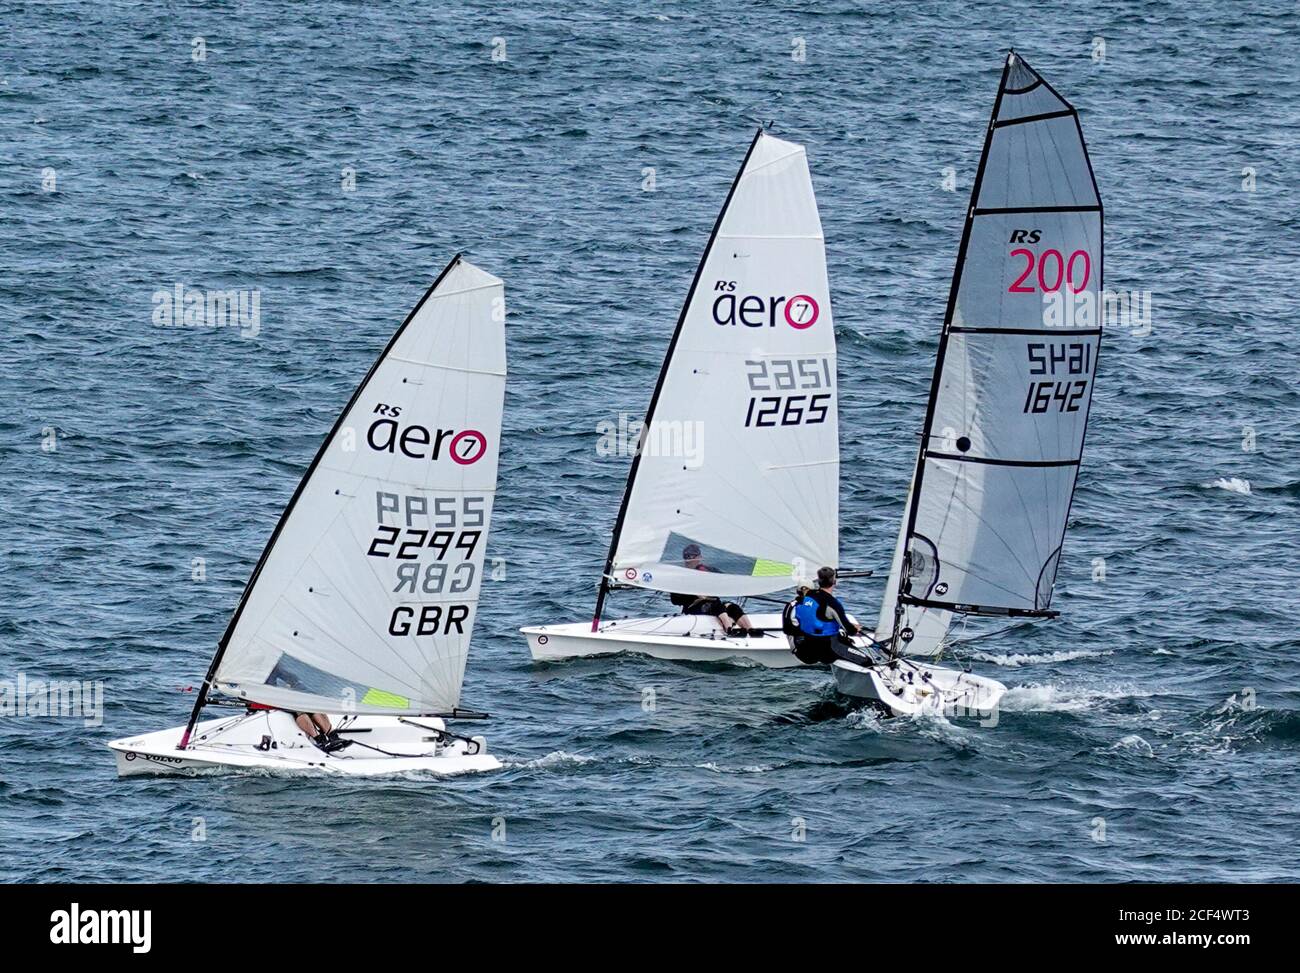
x=1004, y=430
x=365, y=597
x=929, y=626
x=740, y=456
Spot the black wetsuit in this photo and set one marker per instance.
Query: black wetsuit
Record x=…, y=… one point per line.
x=705, y=605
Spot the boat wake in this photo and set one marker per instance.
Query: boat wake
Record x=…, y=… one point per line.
x=1050, y=698
x=554, y=759
x=1014, y=660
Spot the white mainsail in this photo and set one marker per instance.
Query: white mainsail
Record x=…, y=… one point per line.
x=1004, y=431
x=740, y=455
x=365, y=597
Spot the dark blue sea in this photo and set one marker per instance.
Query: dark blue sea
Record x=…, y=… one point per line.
x=1151, y=733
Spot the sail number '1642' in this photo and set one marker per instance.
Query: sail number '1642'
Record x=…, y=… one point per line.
x=801, y=376
x=1057, y=358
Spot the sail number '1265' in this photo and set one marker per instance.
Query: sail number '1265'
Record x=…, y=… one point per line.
x=1061, y=360
x=802, y=389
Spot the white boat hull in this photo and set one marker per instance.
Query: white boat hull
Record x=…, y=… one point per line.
x=907, y=688
x=691, y=638
x=270, y=740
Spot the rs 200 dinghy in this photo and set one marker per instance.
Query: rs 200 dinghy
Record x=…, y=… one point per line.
x=750, y=371
x=1000, y=450
x=359, y=613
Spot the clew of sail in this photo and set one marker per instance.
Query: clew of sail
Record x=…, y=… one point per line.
x=1009, y=404
x=365, y=597
x=740, y=454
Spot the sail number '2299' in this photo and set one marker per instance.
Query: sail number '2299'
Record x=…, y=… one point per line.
x=451, y=530
x=796, y=382
x=1057, y=358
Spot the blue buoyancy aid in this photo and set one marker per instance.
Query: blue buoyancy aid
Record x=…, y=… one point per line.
x=805, y=614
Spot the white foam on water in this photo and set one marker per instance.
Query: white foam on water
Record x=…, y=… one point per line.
x=1233, y=484
x=751, y=769
x=556, y=758
x=865, y=718
x=1014, y=660
x=1134, y=744
x=1050, y=698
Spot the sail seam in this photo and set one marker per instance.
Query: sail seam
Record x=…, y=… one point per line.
x=447, y=368
x=1049, y=332
x=470, y=290
x=772, y=162
x=1002, y=462
x=1045, y=116
x=999, y=210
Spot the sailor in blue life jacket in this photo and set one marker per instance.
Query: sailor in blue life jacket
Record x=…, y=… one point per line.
x=818, y=625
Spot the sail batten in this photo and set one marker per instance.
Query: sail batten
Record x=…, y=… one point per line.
x=364, y=599
x=1014, y=376
x=745, y=497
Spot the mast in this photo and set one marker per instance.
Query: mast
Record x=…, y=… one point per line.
x=202, y=698
x=903, y=597
x=654, y=396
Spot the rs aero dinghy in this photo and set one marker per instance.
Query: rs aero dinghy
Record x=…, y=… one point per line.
x=751, y=365
x=1003, y=437
x=362, y=605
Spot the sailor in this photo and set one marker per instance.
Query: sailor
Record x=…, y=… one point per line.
x=318, y=729
x=730, y=616
x=819, y=625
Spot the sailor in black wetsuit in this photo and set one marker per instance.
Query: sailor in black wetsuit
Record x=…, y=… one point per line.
x=819, y=622
x=730, y=616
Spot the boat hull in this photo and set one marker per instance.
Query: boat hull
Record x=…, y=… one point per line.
x=907, y=688
x=689, y=638
x=269, y=740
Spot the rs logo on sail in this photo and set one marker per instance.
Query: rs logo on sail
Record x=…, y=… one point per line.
x=800, y=311
x=387, y=435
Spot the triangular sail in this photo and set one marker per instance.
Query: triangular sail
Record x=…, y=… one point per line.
x=1004, y=429
x=366, y=594
x=740, y=457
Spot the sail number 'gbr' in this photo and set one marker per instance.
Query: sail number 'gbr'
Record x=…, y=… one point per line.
x=1057, y=358
x=801, y=376
x=450, y=531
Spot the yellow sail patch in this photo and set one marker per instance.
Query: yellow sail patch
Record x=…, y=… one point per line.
x=377, y=697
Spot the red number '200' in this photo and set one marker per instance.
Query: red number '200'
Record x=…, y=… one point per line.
x=1062, y=271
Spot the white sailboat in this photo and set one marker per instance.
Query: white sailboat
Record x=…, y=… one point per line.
x=750, y=374
x=362, y=604
x=1000, y=450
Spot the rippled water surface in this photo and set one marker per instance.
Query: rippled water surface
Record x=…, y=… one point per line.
x=1159, y=713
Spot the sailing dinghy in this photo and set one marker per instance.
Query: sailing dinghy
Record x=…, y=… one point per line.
x=1004, y=428
x=363, y=602
x=750, y=373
